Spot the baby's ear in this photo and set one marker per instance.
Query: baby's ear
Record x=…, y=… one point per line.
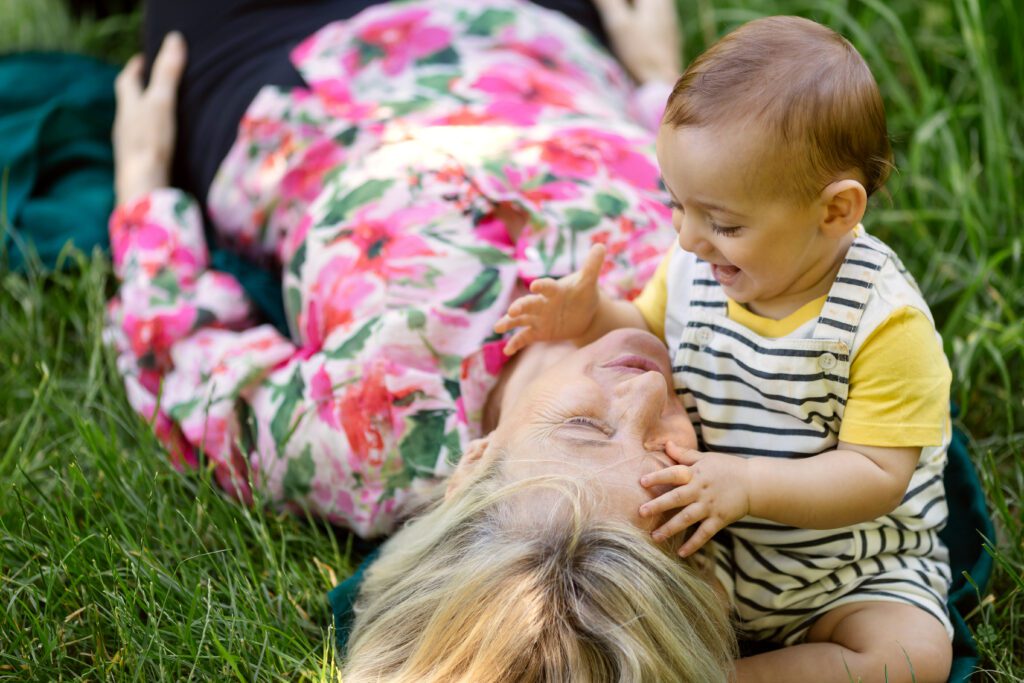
x=844, y=203
x=468, y=464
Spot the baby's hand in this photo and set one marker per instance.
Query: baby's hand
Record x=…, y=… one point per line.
x=555, y=309
x=710, y=488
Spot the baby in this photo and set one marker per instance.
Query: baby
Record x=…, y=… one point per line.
x=805, y=355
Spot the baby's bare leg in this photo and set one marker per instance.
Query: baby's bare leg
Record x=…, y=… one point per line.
x=863, y=641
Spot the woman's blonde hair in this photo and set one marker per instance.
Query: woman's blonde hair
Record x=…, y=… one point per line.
x=481, y=589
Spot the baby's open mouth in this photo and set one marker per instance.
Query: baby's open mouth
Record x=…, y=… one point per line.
x=725, y=275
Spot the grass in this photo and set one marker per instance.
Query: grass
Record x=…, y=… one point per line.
x=115, y=566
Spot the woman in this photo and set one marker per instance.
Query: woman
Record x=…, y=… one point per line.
x=431, y=161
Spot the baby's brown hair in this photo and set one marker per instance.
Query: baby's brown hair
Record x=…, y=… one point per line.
x=806, y=86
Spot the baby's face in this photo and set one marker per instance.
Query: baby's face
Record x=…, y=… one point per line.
x=766, y=251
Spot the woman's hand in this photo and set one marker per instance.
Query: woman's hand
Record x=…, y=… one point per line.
x=144, y=127
x=555, y=309
x=711, y=489
x=645, y=37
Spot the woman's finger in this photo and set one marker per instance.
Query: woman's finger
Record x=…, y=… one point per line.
x=168, y=66
x=128, y=84
x=671, y=476
x=704, y=533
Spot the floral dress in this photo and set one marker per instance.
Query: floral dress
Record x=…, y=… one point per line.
x=383, y=190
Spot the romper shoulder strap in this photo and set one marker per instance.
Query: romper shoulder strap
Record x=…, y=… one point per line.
x=707, y=295
x=846, y=301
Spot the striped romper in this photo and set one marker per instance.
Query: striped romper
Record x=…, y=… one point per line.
x=784, y=397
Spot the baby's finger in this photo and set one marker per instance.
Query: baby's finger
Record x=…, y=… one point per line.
x=681, y=496
x=683, y=456
x=544, y=286
x=518, y=341
x=531, y=304
x=592, y=266
x=677, y=475
x=128, y=85
x=704, y=533
x=680, y=521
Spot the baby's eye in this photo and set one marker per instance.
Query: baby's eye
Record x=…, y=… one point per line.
x=725, y=230
x=674, y=205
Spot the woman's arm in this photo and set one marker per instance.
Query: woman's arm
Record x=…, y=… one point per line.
x=645, y=37
x=144, y=127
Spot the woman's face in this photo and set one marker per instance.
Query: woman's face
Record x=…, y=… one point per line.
x=598, y=413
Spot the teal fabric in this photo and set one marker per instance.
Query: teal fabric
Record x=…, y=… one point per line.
x=57, y=164
x=969, y=524
x=55, y=117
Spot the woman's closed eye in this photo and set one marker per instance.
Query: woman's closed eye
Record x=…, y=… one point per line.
x=589, y=422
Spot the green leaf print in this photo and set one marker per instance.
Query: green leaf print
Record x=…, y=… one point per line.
x=347, y=136
x=581, y=219
x=180, y=207
x=292, y=306
x=355, y=343
x=182, y=410
x=368, y=52
x=453, y=444
x=610, y=205
x=403, y=107
x=168, y=282
x=480, y=294
x=281, y=424
x=297, y=261
x=416, y=318
x=438, y=82
x=299, y=474
x=444, y=56
x=423, y=440
x=339, y=208
x=488, y=20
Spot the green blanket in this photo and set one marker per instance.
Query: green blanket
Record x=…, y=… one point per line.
x=968, y=522
x=57, y=168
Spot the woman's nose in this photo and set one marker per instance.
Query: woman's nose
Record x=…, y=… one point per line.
x=642, y=398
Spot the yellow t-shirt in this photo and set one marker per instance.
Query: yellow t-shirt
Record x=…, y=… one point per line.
x=899, y=379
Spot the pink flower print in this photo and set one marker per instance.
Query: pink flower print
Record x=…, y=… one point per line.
x=520, y=94
x=546, y=50
x=363, y=408
x=494, y=357
x=338, y=101
x=156, y=333
x=385, y=246
x=337, y=292
x=305, y=179
x=582, y=152
x=321, y=391
x=294, y=238
x=403, y=37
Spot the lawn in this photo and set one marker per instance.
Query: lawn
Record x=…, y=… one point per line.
x=115, y=566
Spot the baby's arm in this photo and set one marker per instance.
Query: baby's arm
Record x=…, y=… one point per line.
x=848, y=485
x=573, y=307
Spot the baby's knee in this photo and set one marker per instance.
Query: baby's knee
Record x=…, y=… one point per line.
x=894, y=642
